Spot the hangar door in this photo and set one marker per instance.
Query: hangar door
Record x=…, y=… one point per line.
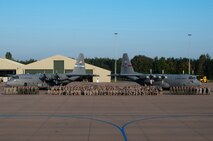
x=5, y=73
x=37, y=71
x=58, y=66
x=90, y=71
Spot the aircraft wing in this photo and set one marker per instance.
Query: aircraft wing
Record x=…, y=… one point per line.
x=139, y=75
x=142, y=78
x=155, y=77
x=82, y=75
x=160, y=77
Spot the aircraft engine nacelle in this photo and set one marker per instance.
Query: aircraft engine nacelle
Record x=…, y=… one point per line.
x=43, y=77
x=151, y=76
x=161, y=78
x=50, y=78
x=164, y=77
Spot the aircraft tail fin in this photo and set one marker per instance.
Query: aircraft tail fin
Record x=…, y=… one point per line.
x=126, y=65
x=79, y=65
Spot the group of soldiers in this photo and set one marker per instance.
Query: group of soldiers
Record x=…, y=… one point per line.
x=121, y=88
x=82, y=88
x=21, y=90
x=192, y=90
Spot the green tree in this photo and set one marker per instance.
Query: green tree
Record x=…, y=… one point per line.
x=209, y=69
x=27, y=61
x=105, y=63
x=204, y=66
x=9, y=56
x=155, y=65
x=182, y=65
x=142, y=63
x=201, y=65
x=162, y=65
x=171, y=66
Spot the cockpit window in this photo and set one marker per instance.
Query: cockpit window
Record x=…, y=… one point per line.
x=192, y=77
x=15, y=77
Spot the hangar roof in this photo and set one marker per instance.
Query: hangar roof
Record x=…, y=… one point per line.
x=46, y=63
x=69, y=63
x=9, y=64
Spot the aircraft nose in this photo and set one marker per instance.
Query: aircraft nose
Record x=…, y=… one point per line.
x=199, y=83
x=9, y=83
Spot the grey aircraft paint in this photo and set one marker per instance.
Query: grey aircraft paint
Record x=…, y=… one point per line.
x=27, y=80
x=163, y=80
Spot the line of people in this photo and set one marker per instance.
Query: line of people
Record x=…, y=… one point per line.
x=21, y=90
x=88, y=88
x=192, y=90
x=104, y=89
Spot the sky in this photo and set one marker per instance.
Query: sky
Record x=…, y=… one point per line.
x=42, y=28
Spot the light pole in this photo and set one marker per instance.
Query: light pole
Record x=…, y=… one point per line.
x=189, y=35
x=115, y=79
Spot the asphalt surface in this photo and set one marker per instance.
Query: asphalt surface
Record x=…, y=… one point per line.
x=106, y=118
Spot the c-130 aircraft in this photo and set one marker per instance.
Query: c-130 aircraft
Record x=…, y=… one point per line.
x=45, y=80
x=163, y=80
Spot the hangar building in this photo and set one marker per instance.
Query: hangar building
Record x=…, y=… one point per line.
x=9, y=67
x=54, y=64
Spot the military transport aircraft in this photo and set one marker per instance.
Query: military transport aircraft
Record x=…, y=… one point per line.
x=45, y=80
x=162, y=80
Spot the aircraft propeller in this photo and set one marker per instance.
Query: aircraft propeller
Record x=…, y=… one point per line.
x=152, y=78
x=50, y=78
x=162, y=78
x=43, y=77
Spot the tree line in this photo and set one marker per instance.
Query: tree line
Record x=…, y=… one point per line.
x=203, y=66
x=9, y=56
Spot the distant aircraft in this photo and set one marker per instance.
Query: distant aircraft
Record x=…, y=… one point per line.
x=45, y=80
x=162, y=80
x=127, y=71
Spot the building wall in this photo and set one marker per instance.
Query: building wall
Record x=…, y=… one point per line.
x=69, y=64
x=99, y=71
x=6, y=64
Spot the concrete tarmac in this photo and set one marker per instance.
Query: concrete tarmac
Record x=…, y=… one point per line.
x=106, y=118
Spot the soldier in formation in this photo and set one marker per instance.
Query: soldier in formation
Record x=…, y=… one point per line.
x=191, y=90
x=103, y=89
x=21, y=90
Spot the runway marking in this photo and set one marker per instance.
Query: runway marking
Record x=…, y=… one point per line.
x=89, y=117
